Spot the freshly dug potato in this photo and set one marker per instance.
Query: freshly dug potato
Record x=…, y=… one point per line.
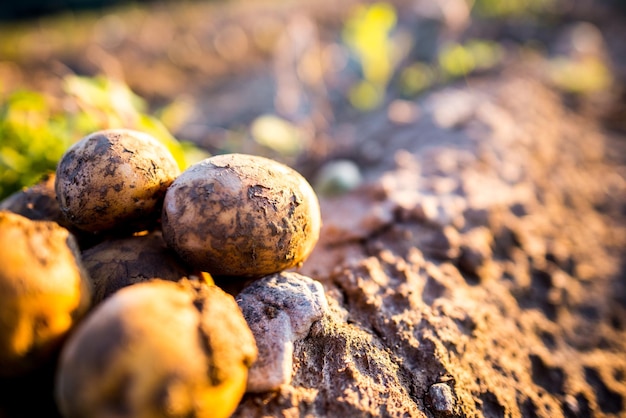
x=44, y=291
x=157, y=349
x=121, y=262
x=241, y=215
x=39, y=203
x=114, y=179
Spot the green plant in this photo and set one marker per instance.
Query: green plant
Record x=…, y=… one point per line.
x=33, y=139
x=36, y=129
x=367, y=32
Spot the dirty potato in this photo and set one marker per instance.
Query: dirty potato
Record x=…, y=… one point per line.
x=114, y=179
x=121, y=262
x=241, y=215
x=157, y=349
x=44, y=291
x=39, y=203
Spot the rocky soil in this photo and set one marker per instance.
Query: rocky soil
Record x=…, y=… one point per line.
x=480, y=274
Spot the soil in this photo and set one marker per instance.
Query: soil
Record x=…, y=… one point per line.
x=481, y=274
x=478, y=269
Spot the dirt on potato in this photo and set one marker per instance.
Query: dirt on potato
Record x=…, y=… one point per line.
x=117, y=263
x=157, y=349
x=241, y=215
x=38, y=202
x=44, y=291
x=114, y=179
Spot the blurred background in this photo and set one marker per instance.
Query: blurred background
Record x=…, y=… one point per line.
x=280, y=78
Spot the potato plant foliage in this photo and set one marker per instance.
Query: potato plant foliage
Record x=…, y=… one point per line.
x=36, y=129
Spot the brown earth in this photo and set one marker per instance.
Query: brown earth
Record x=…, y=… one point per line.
x=480, y=274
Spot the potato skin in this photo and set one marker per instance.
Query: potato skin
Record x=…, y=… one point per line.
x=117, y=263
x=44, y=291
x=157, y=349
x=39, y=203
x=114, y=179
x=241, y=215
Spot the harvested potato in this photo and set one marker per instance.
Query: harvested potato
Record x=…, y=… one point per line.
x=121, y=262
x=39, y=203
x=157, y=349
x=44, y=291
x=241, y=215
x=114, y=179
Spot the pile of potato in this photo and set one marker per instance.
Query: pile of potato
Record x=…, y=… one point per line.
x=107, y=267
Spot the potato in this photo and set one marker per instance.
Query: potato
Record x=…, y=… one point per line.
x=157, y=349
x=44, y=291
x=121, y=262
x=39, y=203
x=114, y=179
x=241, y=215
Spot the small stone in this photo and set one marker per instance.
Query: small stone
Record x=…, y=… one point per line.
x=337, y=177
x=441, y=398
x=280, y=309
